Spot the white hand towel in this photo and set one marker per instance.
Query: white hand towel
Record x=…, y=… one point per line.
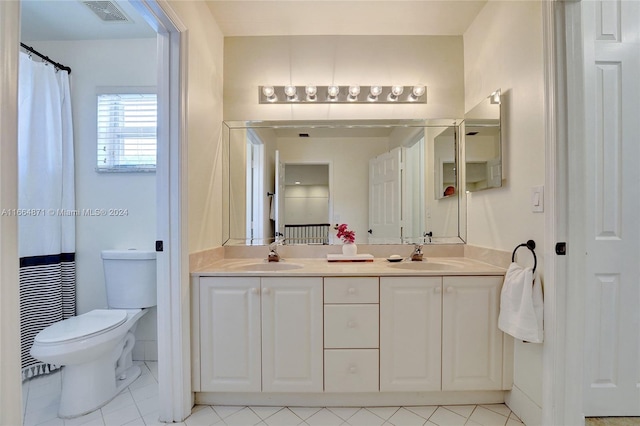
x=272, y=208
x=521, y=305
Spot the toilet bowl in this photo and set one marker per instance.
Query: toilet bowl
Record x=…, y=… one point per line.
x=95, y=348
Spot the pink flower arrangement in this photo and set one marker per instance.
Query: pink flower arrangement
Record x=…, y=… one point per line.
x=348, y=237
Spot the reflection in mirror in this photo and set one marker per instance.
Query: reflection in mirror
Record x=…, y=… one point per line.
x=483, y=147
x=297, y=180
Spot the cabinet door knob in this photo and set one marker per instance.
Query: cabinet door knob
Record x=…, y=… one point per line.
x=449, y=289
x=266, y=290
x=351, y=290
x=255, y=291
x=351, y=324
x=437, y=290
x=352, y=369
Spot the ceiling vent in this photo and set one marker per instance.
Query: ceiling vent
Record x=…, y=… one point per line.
x=107, y=11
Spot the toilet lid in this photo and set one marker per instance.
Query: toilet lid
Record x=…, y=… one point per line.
x=82, y=326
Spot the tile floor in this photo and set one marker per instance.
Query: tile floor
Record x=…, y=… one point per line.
x=138, y=405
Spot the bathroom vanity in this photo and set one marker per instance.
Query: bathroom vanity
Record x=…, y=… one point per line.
x=311, y=332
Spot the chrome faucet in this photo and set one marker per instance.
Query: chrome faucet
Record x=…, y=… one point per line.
x=273, y=255
x=417, y=253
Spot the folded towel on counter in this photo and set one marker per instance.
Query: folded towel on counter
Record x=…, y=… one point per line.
x=521, y=305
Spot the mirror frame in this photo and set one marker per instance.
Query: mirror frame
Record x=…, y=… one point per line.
x=476, y=117
x=228, y=126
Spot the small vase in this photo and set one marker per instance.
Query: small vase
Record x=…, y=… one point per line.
x=349, y=249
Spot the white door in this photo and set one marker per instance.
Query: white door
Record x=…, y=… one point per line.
x=410, y=327
x=385, y=203
x=279, y=197
x=471, y=340
x=611, y=202
x=292, y=334
x=230, y=334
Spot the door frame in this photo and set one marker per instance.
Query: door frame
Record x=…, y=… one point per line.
x=174, y=343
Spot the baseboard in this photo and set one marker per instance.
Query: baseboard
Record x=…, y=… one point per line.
x=523, y=407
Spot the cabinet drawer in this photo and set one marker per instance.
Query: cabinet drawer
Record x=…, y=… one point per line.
x=351, y=370
x=351, y=290
x=351, y=326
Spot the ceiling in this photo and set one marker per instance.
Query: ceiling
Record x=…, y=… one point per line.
x=72, y=20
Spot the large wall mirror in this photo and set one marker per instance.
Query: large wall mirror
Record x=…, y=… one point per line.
x=483, y=145
x=297, y=180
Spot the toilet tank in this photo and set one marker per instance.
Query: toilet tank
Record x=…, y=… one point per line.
x=130, y=278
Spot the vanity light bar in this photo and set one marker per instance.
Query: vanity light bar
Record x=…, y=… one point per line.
x=334, y=94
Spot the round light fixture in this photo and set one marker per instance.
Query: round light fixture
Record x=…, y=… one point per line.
x=311, y=91
x=333, y=92
x=269, y=93
x=354, y=91
x=418, y=91
x=290, y=91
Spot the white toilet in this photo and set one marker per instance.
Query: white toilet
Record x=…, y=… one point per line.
x=95, y=348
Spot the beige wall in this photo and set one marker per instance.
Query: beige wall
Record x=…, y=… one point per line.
x=503, y=49
x=322, y=60
x=204, y=118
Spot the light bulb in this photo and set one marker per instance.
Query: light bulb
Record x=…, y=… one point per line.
x=354, y=91
x=333, y=91
x=417, y=91
x=311, y=91
x=395, y=92
x=290, y=91
x=374, y=92
x=269, y=93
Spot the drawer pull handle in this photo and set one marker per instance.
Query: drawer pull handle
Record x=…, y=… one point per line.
x=351, y=324
x=255, y=291
x=352, y=369
x=351, y=290
x=266, y=290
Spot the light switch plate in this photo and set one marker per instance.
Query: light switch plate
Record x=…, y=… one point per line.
x=537, y=199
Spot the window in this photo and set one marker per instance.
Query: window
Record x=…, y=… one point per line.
x=127, y=128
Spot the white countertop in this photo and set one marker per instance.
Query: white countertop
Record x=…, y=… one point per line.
x=433, y=266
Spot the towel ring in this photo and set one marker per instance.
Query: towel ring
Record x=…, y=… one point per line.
x=531, y=245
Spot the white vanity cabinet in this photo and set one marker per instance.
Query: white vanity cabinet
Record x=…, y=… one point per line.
x=351, y=334
x=441, y=333
x=472, y=344
x=410, y=333
x=261, y=334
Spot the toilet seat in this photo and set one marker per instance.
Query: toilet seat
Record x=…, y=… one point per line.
x=82, y=326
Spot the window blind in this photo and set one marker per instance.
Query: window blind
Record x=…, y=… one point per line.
x=127, y=131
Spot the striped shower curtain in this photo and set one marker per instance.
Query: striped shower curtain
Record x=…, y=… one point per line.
x=46, y=203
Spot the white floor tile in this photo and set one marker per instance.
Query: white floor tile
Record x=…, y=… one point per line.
x=365, y=417
x=93, y=418
x=324, y=417
x=424, y=411
x=513, y=422
x=498, y=408
x=284, y=417
x=383, y=412
x=35, y=417
x=304, y=412
x=122, y=400
x=343, y=412
x=463, y=410
x=515, y=418
x=404, y=417
x=444, y=417
x=53, y=422
x=244, y=417
x=265, y=412
x=145, y=392
x=148, y=405
x=122, y=416
x=202, y=415
x=487, y=417
x=225, y=411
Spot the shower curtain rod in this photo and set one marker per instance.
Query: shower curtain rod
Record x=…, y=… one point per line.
x=46, y=58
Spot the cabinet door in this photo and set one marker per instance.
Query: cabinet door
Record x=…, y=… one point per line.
x=292, y=334
x=471, y=340
x=230, y=334
x=410, y=327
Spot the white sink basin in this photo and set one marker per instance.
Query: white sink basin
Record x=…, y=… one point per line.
x=268, y=266
x=429, y=265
